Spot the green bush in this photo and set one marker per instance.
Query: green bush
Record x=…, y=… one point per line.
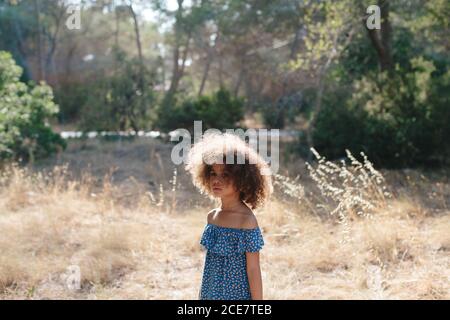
x=220, y=110
x=287, y=108
x=273, y=116
x=24, y=111
x=398, y=119
x=118, y=101
x=71, y=97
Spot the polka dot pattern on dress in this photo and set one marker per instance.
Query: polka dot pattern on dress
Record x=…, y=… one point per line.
x=225, y=272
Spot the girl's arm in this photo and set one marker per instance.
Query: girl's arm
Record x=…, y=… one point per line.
x=254, y=275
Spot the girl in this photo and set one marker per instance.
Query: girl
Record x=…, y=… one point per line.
x=231, y=236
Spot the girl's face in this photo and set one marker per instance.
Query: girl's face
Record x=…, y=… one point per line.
x=221, y=182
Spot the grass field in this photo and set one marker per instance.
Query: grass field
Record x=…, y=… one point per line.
x=131, y=223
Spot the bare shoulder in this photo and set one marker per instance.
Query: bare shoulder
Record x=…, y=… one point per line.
x=211, y=215
x=249, y=221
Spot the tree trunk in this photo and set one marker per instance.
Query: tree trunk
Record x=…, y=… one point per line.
x=53, y=39
x=381, y=39
x=142, y=87
x=205, y=73
x=183, y=59
x=315, y=112
x=138, y=35
x=242, y=72
x=321, y=87
x=116, y=34
x=178, y=70
x=40, y=66
x=295, y=43
x=168, y=98
x=220, y=70
x=21, y=50
x=239, y=81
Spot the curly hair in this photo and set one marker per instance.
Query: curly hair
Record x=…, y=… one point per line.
x=248, y=171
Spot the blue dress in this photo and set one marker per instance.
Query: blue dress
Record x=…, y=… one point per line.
x=225, y=272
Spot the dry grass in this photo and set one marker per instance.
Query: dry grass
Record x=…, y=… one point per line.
x=132, y=239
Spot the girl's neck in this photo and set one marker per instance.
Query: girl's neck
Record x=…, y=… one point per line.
x=230, y=204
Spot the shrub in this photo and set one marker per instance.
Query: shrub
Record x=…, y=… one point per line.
x=118, y=101
x=286, y=109
x=24, y=111
x=398, y=119
x=71, y=97
x=219, y=110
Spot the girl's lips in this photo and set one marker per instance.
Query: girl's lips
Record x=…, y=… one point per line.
x=216, y=189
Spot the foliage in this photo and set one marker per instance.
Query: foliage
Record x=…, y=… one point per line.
x=71, y=97
x=310, y=64
x=285, y=110
x=116, y=101
x=219, y=110
x=398, y=120
x=24, y=110
x=328, y=25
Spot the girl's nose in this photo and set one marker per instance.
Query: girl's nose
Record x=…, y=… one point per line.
x=216, y=181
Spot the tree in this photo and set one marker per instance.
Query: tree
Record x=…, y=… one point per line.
x=182, y=37
x=330, y=27
x=24, y=112
x=387, y=97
